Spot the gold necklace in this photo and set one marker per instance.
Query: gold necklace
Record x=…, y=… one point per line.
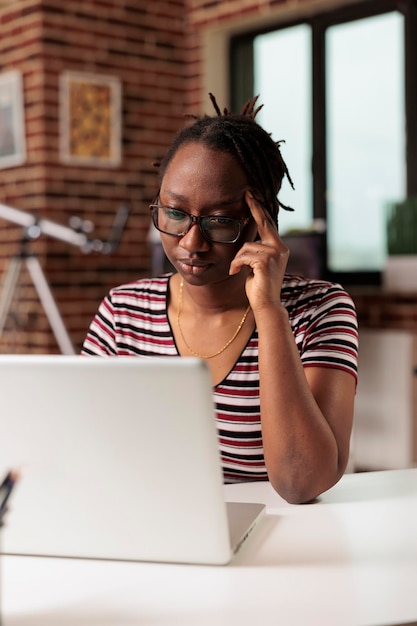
x=226, y=345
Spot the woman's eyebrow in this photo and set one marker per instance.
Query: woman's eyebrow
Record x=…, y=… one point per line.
x=213, y=203
x=173, y=195
x=224, y=202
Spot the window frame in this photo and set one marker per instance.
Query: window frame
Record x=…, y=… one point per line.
x=242, y=86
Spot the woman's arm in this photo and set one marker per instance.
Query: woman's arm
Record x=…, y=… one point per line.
x=100, y=338
x=306, y=412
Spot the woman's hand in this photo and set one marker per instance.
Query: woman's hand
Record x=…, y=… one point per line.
x=265, y=259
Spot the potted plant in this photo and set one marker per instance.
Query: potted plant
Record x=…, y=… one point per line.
x=400, y=273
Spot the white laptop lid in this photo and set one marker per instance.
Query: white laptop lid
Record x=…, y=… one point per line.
x=119, y=459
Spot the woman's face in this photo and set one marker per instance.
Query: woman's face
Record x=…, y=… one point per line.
x=201, y=181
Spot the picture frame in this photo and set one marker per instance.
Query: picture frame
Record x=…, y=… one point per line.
x=12, y=120
x=90, y=119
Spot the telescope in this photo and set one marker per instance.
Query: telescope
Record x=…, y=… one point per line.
x=76, y=234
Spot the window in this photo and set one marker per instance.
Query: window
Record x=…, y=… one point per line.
x=340, y=90
x=286, y=113
x=365, y=141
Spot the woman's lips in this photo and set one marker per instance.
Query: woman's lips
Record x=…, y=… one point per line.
x=193, y=266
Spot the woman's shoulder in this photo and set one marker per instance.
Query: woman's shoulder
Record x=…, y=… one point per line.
x=299, y=285
x=300, y=291
x=155, y=285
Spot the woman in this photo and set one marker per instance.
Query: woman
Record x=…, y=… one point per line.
x=282, y=350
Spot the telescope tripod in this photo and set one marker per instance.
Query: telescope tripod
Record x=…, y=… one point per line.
x=75, y=235
x=43, y=291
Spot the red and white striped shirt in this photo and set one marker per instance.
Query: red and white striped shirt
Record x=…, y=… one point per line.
x=132, y=320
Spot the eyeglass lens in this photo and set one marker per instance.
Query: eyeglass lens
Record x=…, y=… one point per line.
x=214, y=228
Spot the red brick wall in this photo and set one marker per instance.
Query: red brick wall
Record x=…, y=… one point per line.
x=143, y=44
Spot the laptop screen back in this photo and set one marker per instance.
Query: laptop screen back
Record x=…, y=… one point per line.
x=119, y=459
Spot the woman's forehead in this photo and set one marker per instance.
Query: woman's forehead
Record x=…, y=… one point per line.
x=195, y=165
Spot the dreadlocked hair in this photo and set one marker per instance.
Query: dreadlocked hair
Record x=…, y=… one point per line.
x=240, y=135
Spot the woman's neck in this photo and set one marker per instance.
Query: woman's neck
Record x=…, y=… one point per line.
x=214, y=297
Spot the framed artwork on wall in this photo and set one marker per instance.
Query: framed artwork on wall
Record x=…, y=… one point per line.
x=12, y=120
x=90, y=119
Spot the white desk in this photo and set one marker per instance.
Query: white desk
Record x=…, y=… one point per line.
x=349, y=559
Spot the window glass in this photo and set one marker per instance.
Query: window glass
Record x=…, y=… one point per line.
x=282, y=78
x=365, y=138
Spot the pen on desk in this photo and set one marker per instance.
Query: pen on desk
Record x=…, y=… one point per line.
x=6, y=489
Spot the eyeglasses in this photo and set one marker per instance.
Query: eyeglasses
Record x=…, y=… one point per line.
x=214, y=228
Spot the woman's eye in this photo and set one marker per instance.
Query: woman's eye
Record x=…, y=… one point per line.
x=175, y=214
x=219, y=220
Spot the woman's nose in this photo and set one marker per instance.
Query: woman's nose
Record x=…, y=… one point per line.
x=193, y=240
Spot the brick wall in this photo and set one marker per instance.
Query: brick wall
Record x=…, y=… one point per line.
x=142, y=43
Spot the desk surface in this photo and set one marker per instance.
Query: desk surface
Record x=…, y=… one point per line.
x=348, y=559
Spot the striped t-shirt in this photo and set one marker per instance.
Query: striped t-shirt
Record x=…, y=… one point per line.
x=132, y=320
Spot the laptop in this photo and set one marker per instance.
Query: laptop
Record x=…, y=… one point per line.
x=119, y=460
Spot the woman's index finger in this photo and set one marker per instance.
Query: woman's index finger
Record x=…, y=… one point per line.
x=263, y=219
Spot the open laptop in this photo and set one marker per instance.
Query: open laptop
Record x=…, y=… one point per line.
x=119, y=460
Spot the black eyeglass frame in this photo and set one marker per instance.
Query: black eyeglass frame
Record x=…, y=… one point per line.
x=199, y=220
